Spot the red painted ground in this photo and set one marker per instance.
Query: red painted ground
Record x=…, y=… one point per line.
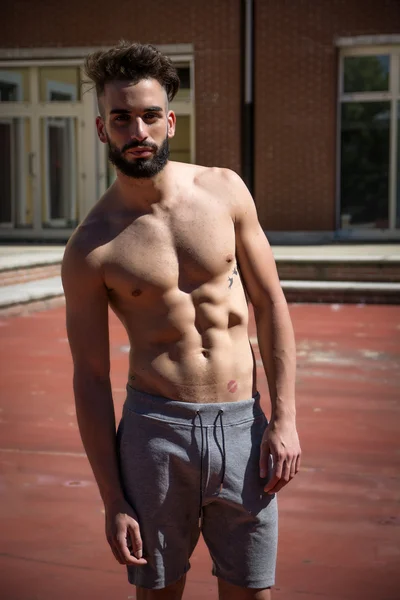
x=340, y=518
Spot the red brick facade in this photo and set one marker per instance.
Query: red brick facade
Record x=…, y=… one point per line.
x=213, y=27
x=296, y=65
x=296, y=74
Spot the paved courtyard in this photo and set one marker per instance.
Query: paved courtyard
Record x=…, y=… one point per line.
x=340, y=518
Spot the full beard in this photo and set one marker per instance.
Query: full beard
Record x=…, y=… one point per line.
x=140, y=168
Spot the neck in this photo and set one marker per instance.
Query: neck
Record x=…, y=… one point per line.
x=145, y=192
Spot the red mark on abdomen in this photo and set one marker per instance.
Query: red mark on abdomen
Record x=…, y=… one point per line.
x=232, y=386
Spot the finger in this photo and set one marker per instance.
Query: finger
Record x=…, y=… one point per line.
x=298, y=463
x=264, y=459
x=116, y=553
x=285, y=478
x=127, y=557
x=136, y=540
x=293, y=468
x=276, y=475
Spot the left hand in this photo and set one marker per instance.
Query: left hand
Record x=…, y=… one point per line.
x=280, y=439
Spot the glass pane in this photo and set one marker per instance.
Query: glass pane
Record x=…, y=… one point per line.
x=366, y=73
x=59, y=84
x=15, y=179
x=14, y=85
x=59, y=171
x=180, y=144
x=184, y=93
x=365, y=164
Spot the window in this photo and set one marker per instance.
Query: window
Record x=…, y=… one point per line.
x=369, y=138
x=14, y=175
x=54, y=167
x=14, y=85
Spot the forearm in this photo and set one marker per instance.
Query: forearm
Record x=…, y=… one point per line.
x=96, y=420
x=278, y=353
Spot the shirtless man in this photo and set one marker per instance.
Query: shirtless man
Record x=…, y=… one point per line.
x=172, y=248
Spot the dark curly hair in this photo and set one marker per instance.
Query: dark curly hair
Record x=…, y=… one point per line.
x=131, y=62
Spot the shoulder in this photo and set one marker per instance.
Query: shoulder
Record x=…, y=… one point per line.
x=229, y=187
x=84, y=250
x=211, y=176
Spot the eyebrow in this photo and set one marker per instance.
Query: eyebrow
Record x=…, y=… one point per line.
x=125, y=111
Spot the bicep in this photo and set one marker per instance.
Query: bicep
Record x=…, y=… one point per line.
x=254, y=254
x=86, y=315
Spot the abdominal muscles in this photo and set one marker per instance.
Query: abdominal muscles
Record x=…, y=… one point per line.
x=191, y=347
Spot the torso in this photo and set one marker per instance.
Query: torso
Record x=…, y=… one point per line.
x=173, y=281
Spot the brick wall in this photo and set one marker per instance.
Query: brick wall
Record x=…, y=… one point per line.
x=296, y=94
x=296, y=65
x=213, y=27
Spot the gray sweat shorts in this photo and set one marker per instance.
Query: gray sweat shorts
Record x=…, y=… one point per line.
x=191, y=468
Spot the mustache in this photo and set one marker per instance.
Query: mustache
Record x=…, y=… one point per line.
x=136, y=144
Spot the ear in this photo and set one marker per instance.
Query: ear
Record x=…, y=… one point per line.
x=101, y=129
x=171, y=123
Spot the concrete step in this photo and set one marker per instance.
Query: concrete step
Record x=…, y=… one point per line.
x=32, y=291
x=14, y=257
x=30, y=276
x=21, y=265
x=17, y=276
x=290, y=269
x=23, y=294
x=339, y=268
x=354, y=292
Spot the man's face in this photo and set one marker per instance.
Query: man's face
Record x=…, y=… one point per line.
x=136, y=125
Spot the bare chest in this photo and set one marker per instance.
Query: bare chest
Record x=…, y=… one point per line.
x=184, y=250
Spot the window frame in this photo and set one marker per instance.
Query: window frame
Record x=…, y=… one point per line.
x=69, y=126
x=392, y=96
x=91, y=154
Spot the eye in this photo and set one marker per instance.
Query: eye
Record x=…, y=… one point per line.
x=121, y=118
x=150, y=116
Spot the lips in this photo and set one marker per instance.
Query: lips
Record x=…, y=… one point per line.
x=140, y=152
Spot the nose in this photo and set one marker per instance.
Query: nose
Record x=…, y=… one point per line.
x=138, y=130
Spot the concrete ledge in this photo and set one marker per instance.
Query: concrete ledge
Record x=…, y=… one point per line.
x=22, y=293
x=358, y=286
x=33, y=259
x=345, y=258
x=341, y=292
x=295, y=291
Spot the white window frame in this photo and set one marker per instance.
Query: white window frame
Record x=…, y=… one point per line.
x=70, y=90
x=18, y=199
x=91, y=154
x=392, y=96
x=35, y=111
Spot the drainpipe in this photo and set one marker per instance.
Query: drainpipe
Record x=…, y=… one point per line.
x=248, y=93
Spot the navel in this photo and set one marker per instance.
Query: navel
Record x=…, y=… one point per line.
x=136, y=292
x=229, y=258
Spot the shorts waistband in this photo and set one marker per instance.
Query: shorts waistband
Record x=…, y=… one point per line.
x=185, y=413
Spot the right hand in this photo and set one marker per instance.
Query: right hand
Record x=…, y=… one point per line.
x=123, y=534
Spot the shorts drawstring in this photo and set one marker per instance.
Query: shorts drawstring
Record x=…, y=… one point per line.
x=219, y=416
x=201, y=467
